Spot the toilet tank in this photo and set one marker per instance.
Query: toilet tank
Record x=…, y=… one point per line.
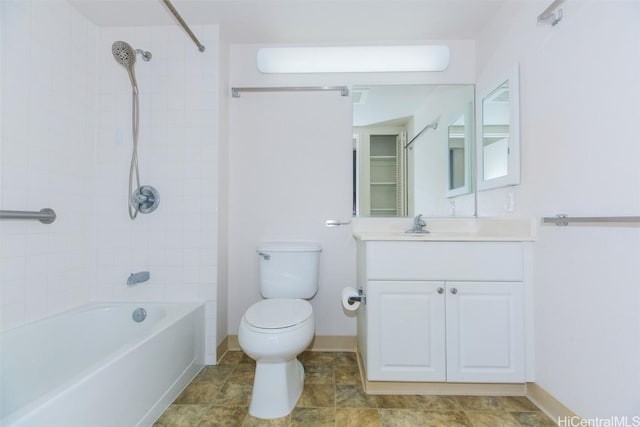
x=289, y=269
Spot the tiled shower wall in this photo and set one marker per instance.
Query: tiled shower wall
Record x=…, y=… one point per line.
x=48, y=115
x=177, y=155
x=66, y=144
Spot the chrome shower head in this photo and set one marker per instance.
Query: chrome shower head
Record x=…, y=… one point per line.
x=125, y=56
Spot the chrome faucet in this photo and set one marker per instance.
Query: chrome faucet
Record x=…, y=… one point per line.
x=139, y=277
x=418, y=223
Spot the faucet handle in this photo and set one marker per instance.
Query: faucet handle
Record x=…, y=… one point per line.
x=139, y=277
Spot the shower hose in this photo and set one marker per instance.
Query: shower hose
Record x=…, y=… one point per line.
x=133, y=169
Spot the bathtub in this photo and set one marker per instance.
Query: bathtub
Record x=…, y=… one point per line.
x=96, y=366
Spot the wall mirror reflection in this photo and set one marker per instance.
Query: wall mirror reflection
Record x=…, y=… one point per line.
x=413, y=149
x=498, y=153
x=459, y=154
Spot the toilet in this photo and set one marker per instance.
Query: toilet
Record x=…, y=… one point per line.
x=275, y=330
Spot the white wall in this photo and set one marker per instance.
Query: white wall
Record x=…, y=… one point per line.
x=48, y=76
x=252, y=216
x=66, y=144
x=579, y=111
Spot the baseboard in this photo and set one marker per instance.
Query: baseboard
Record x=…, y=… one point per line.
x=467, y=389
x=406, y=387
x=333, y=343
x=222, y=349
x=319, y=343
x=551, y=406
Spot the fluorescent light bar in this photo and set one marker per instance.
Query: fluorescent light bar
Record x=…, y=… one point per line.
x=352, y=59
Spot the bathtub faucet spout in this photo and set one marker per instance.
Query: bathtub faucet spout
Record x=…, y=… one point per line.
x=139, y=277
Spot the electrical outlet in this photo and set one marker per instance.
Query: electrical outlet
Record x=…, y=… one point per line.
x=510, y=202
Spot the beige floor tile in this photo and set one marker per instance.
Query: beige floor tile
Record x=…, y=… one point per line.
x=398, y=401
x=492, y=419
x=318, y=358
x=346, y=358
x=401, y=418
x=231, y=358
x=233, y=395
x=214, y=373
x=242, y=374
x=223, y=416
x=319, y=374
x=199, y=393
x=533, y=419
x=438, y=403
x=352, y=396
x=317, y=396
x=357, y=417
x=347, y=374
x=479, y=403
x=181, y=416
x=446, y=419
x=317, y=417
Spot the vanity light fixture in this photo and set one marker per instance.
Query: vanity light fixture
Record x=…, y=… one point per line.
x=352, y=59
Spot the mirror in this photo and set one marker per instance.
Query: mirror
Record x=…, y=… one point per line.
x=459, y=154
x=413, y=149
x=499, y=148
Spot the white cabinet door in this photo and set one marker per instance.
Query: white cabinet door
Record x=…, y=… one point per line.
x=485, y=332
x=406, y=331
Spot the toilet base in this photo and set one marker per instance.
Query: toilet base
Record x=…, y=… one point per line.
x=276, y=388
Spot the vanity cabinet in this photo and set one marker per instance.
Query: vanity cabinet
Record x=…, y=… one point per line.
x=442, y=311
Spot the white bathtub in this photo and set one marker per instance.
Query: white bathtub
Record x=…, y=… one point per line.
x=95, y=366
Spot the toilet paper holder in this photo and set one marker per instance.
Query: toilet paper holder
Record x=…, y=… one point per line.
x=361, y=297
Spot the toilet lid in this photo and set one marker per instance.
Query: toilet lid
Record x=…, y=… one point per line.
x=277, y=313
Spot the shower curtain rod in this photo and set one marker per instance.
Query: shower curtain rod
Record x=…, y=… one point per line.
x=184, y=25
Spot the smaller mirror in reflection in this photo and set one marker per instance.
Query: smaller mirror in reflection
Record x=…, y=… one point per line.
x=459, y=153
x=495, y=133
x=456, y=154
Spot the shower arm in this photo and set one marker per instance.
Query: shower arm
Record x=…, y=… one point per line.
x=183, y=24
x=433, y=126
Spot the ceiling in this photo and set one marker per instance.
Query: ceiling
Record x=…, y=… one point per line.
x=307, y=21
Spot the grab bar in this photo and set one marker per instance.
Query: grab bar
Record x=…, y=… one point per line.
x=564, y=220
x=45, y=216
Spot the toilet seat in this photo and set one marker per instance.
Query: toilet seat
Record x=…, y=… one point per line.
x=278, y=313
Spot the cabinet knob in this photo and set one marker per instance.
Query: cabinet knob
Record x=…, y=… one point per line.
x=454, y=291
x=441, y=290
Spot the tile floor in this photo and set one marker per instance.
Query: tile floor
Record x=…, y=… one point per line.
x=333, y=396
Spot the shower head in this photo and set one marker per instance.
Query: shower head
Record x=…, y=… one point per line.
x=125, y=56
